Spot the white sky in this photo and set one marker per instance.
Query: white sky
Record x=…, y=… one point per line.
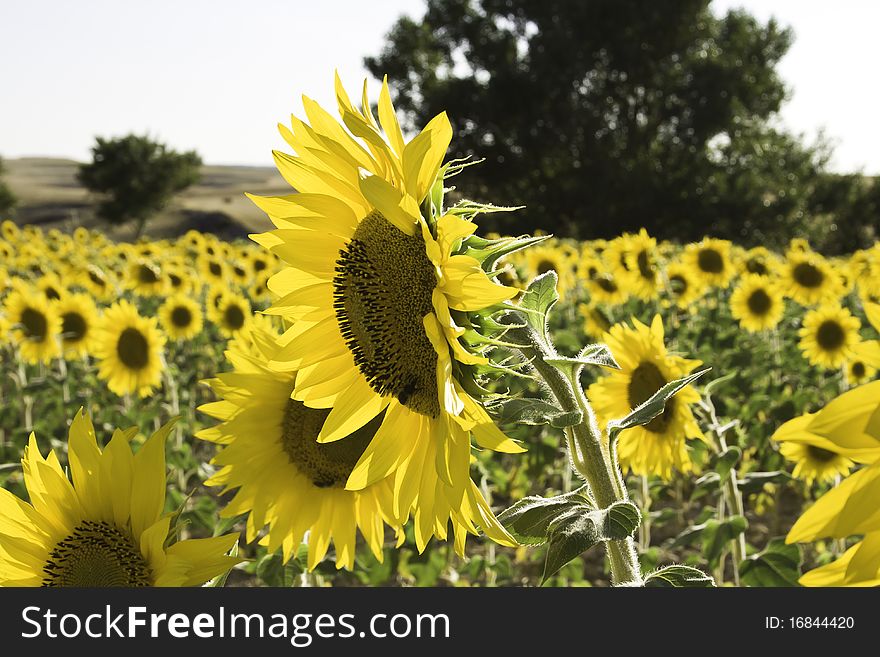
x=218, y=75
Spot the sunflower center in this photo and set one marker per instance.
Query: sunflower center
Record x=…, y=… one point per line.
x=233, y=316
x=147, y=275
x=646, y=268
x=175, y=280
x=759, y=302
x=51, y=293
x=326, y=465
x=259, y=265
x=607, y=284
x=96, y=554
x=678, y=284
x=830, y=335
x=382, y=288
x=215, y=269
x=710, y=261
x=73, y=326
x=858, y=369
x=181, y=317
x=756, y=266
x=544, y=266
x=645, y=380
x=35, y=324
x=133, y=349
x=819, y=454
x=807, y=275
x=96, y=278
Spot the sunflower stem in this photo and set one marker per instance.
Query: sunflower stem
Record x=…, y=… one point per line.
x=584, y=442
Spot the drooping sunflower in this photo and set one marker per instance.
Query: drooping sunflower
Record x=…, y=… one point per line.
x=683, y=285
x=372, y=289
x=809, y=280
x=815, y=463
x=756, y=303
x=106, y=528
x=129, y=349
x=36, y=326
x=658, y=447
x=180, y=317
x=828, y=336
x=282, y=477
x=79, y=319
x=231, y=314
x=710, y=261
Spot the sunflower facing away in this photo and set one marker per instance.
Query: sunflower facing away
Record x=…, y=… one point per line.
x=283, y=477
x=659, y=446
x=372, y=289
x=129, y=349
x=757, y=304
x=36, y=326
x=107, y=527
x=828, y=335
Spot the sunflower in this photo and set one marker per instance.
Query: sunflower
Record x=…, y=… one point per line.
x=828, y=336
x=96, y=281
x=79, y=317
x=759, y=261
x=371, y=289
x=809, y=279
x=857, y=370
x=283, y=478
x=541, y=259
x=36, y=326
x=756, y=303
x=684, y=287
x=231, y=314
x=51, y=286
x=145, y=278
x=710, y=261
x=607, y=289
x=596, y=324
x=180, y=317
x=107, y=528
x=659, y=446
x=813, y=462
x=643, y=259
x=212, y=268
x=129, y=349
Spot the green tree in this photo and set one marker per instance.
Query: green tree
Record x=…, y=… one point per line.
x=137, y=177
x=603, y=116
x=7, y=198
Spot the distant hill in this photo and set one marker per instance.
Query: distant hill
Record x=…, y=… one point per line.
x=50, y=196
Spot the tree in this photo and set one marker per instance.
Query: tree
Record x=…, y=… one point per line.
x=604, y=116
x=137, y=177
x=7, y=198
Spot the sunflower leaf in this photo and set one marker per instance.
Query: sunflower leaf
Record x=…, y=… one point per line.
x=594, y=354
x=727, y=460
x=533, y=412
x=717, y=535
x=529, y=519
x=777, y=565
x=621, y=520
x=653, y=406
x=491, y=254
x=570, y=535
x=538, y=299
x=677, y=576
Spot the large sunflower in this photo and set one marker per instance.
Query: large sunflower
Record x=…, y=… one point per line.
x=756, y=303
x=659, y=446
x=107, y=528
x=283, y=478
x=373, y=289
x=36, y=326
x=129, y=349
x=828, y=336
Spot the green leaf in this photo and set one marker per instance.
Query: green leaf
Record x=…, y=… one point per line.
x=594, y=354
x=653, y=406
x=777, y=565
x=727, y=460
x=492, y=252
x=677, y=576
x=717, y=383
x=621, y=520
x=717, y=535
x=570, y=535
x=528, y=520
x=533, y=412
x=538, y=299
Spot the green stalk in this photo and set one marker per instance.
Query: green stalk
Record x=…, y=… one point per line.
x=585, y=446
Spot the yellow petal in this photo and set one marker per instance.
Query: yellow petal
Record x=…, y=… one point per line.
x=353, y=409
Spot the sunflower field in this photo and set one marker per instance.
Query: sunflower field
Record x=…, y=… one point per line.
x=374, y=394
